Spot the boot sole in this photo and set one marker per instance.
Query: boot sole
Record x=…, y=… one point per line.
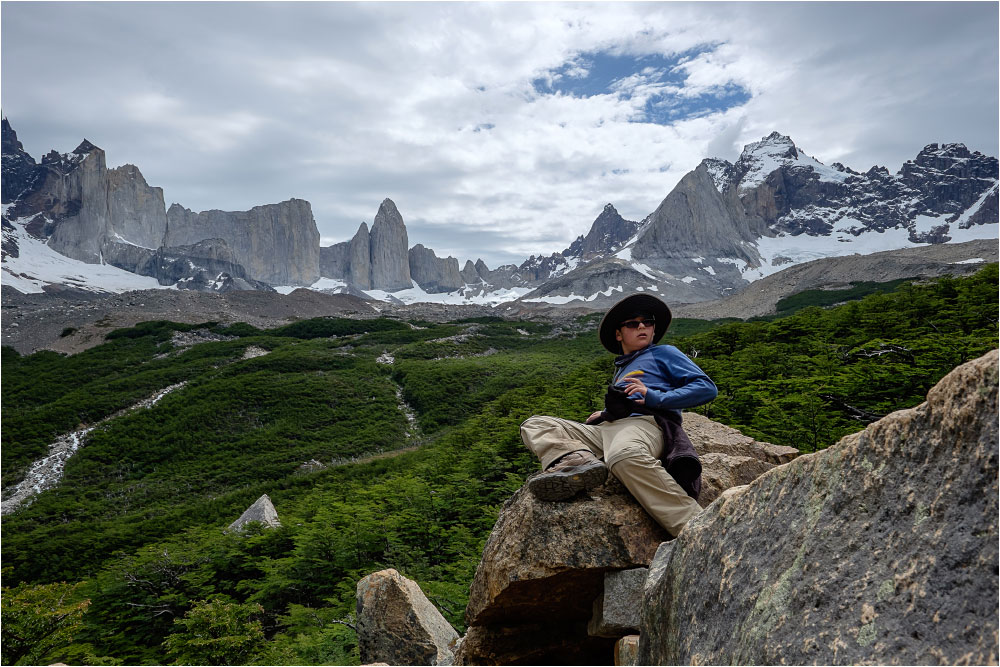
x=566, y=483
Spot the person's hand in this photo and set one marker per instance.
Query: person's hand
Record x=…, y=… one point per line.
x=593, y=416
x=634, y=385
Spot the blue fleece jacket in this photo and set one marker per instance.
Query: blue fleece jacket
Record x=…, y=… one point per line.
x=674, y=382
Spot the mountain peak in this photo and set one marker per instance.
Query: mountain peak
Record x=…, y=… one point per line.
x=774, y=145
x=84, y=148
x=608, y=232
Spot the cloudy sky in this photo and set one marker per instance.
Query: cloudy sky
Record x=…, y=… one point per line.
x=499, y=130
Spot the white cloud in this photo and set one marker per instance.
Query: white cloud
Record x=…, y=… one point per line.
x=230, y=105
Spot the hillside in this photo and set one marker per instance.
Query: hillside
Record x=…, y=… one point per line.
x=316, y=415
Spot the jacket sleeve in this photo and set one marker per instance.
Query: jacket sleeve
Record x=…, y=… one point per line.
x=690, y=385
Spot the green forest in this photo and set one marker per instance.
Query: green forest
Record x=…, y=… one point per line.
x=382, y=443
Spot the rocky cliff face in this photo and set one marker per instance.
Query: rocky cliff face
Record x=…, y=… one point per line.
x=793, y=193
x=18, y=167
x=609, y=232
x=380, y=260
x=879, y=550
x=136, y=213
x=276, y=243
x=694, y=220
x=69, y=203
x=469, y=274
x=432, y=273
x=76, y=204
x=389, y=257
x=207, y=266
x=359, y=258
x=725, y=224
x=95, y=215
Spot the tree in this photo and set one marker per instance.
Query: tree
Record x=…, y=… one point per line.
x=217, y=632
x=39, y=621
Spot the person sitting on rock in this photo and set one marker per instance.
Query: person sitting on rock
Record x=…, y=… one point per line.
x=638, y=434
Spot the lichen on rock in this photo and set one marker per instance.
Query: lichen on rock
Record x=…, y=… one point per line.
x=879, y=550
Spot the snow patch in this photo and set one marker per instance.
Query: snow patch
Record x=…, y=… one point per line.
x=39, y=265
x=972, y=210
x=644, y=270
x=768, y=155
x=416, y=294
x=927, y=223
x=560, y=299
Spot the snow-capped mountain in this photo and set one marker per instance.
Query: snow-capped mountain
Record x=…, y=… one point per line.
x=726, y=224
x=69, y=220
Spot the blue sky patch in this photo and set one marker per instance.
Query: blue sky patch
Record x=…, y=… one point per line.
x=656, y=77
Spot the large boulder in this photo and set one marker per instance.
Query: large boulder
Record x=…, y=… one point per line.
x=729, y=458
x=262, y=511
x=882, y=549
x=544, y=564
x=398, y=625
x=542, y=568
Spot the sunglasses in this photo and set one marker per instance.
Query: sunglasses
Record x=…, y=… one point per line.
x=634, y=324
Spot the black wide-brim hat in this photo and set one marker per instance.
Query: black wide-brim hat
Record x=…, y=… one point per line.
x=627, y=308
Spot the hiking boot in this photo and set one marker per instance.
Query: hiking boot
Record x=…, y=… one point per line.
x=570, y=474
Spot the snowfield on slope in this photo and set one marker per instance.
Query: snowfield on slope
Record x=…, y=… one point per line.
x=39, y=265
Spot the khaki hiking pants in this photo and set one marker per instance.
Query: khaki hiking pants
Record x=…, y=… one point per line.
x=631, y=448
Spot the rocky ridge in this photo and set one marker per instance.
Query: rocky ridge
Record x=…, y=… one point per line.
x=760, y=297
x=722, y=226
x=379, y=260
x=726, y=224
x=277, y=244
x=81, y=209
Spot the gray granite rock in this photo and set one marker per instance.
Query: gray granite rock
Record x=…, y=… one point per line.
x=433, y=273
x=390, y=265
x=398, y=625
x=545, y=563
x=75, y=194
x=207, y=266
x=542, y=567
x=607, y=233
x=136, y=213
x=882, y=549
x=695, y=219
x=469, y=274
x=333, y=260
x=261, y=511
x=275, y=243
x=616, y=609
x=627, y=650
x=359, y=261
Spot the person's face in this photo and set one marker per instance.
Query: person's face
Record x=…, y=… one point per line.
x=635, y=333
